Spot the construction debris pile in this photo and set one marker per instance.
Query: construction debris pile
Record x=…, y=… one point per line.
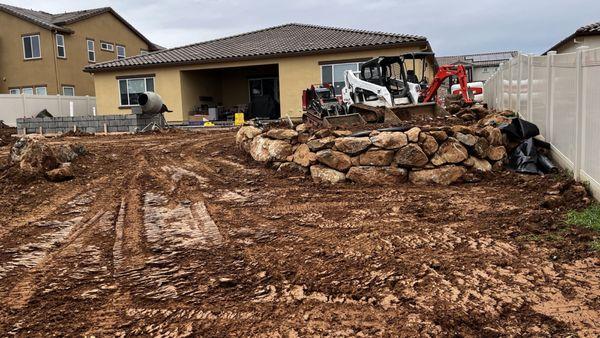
x=34, y=157
x=421, y=155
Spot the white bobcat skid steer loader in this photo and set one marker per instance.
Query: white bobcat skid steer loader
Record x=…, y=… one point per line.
x=380, y=92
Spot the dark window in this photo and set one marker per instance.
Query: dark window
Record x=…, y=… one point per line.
x=327, y=75
x=60, y=46
x=31, y=47
x=91, y=51
x=120, y=52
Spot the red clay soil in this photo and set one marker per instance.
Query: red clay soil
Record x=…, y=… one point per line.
x=180, y=234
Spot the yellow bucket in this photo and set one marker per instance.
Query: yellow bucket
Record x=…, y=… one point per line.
x=239, y=119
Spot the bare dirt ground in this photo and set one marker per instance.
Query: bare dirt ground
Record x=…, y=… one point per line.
x=179, y=234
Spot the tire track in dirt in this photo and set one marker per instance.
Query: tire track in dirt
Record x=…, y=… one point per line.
x=44, y=211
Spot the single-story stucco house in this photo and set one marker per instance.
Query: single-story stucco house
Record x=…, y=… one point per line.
x=588, y=35
x=230, y=73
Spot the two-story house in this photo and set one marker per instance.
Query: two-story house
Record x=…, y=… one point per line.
x=44, y=54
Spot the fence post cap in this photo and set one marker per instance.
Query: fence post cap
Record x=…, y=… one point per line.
x=582, y=47
x=552, y=52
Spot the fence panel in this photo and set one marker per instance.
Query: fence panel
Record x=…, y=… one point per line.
x=559, y=93
x=539, y=92
x=26, y=105
x=514, y=80
x=564, y=119
x=522, y=85
x=506, y=88
x=591, y=116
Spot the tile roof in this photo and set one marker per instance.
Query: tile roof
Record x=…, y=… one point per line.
x=591, y=29
x=478, y=60
x=56, y=22
x=288, y=39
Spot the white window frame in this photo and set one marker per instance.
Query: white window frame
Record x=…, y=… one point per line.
x=27, y=88
x=65, y=87
x=127, y=86
x=119, y=56
x=105, y=46
x=332, y=65
x=58, y=46
x=39, y=45
x=41, y=87
x=93, y=50
x=14, y=91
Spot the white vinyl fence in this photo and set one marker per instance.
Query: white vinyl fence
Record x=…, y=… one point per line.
x=560, y=93
x=13, y=106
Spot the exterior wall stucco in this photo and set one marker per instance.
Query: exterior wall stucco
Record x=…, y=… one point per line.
x=592, y=41
x=15, y=71
x=55, y=72
x=480, y=75
x=177, y=87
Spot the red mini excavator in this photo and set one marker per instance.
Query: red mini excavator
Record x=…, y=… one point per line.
x=444, y=72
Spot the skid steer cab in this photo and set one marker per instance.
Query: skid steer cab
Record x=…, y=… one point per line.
x=382, y=91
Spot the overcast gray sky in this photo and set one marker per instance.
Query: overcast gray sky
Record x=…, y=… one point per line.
x=452, y=27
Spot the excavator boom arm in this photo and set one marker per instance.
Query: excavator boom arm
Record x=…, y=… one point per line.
x=445, y=72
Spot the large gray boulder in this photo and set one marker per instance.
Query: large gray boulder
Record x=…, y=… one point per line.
x=439, y=135
x=352, y=145
x=282, y=134
x=322, y=174
x=334, y=159
x=444, y=175
x=378, y=158
x=389, y=140
x=321, y=143
x=452, y=151
x=466, y=139
x=478, y=164
x=413, y=134
x=303, y=156
x=494, y=135
x=411, y=155
x=496, y=153
x=292, y=168
x=245, y=135
x=480, y=148
x=369, y=175
x=428, y=144
x=263, y=149
x=34, y=156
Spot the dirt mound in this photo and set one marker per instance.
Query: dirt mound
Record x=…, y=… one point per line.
x=30, y=158
x=77, y=133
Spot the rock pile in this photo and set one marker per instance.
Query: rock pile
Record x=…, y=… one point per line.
x=438, y=155
x=35, y=157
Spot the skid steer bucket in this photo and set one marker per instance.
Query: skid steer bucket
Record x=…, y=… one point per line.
x=343, y=120
x=410, y=112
